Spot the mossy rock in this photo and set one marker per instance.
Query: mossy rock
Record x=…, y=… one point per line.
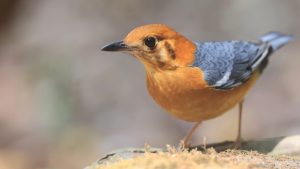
x=281, y=152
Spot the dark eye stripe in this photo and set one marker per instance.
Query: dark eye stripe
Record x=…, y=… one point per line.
x=170, y=50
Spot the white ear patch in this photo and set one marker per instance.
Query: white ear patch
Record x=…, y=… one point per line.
x=163, y=53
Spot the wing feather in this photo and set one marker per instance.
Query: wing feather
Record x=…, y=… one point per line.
x=231, y=63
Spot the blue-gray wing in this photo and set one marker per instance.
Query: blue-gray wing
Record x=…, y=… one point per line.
x=231, y=63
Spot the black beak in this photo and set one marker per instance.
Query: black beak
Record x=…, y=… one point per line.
x=117, y=46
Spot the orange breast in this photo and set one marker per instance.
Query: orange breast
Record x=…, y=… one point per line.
x=184, y=93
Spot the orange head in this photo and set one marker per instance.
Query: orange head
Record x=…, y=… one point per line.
x=157, y=46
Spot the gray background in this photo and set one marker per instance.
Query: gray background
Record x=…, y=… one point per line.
x=64, y=103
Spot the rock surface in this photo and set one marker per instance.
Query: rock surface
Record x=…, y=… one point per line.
x=280, y=152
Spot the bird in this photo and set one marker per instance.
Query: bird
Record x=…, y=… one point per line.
x=196, y=80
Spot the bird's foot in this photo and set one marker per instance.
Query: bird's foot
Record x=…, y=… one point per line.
x=237, y=144
x=183, y=145
x=230, y=146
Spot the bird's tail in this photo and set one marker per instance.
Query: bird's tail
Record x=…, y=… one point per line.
x=276, y=39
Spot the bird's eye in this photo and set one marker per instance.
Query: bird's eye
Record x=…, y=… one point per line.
x=150, y=42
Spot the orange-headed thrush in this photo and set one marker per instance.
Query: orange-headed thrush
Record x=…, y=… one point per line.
x=197, y=81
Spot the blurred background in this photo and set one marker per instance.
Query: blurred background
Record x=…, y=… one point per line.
x=64, y=103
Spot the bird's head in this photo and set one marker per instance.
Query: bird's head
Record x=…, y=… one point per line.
x=157, y=46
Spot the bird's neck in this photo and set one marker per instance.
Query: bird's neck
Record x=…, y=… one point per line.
x=185, y=51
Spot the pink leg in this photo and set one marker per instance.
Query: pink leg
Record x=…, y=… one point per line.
x=238, y=141
x=188, y=137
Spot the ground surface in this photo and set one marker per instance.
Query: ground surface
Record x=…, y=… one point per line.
x=231, y=159
x=279, y=153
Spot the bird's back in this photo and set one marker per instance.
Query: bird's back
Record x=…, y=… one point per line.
x=229, y=64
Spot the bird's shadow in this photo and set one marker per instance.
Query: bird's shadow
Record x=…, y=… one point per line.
x=262, y=146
